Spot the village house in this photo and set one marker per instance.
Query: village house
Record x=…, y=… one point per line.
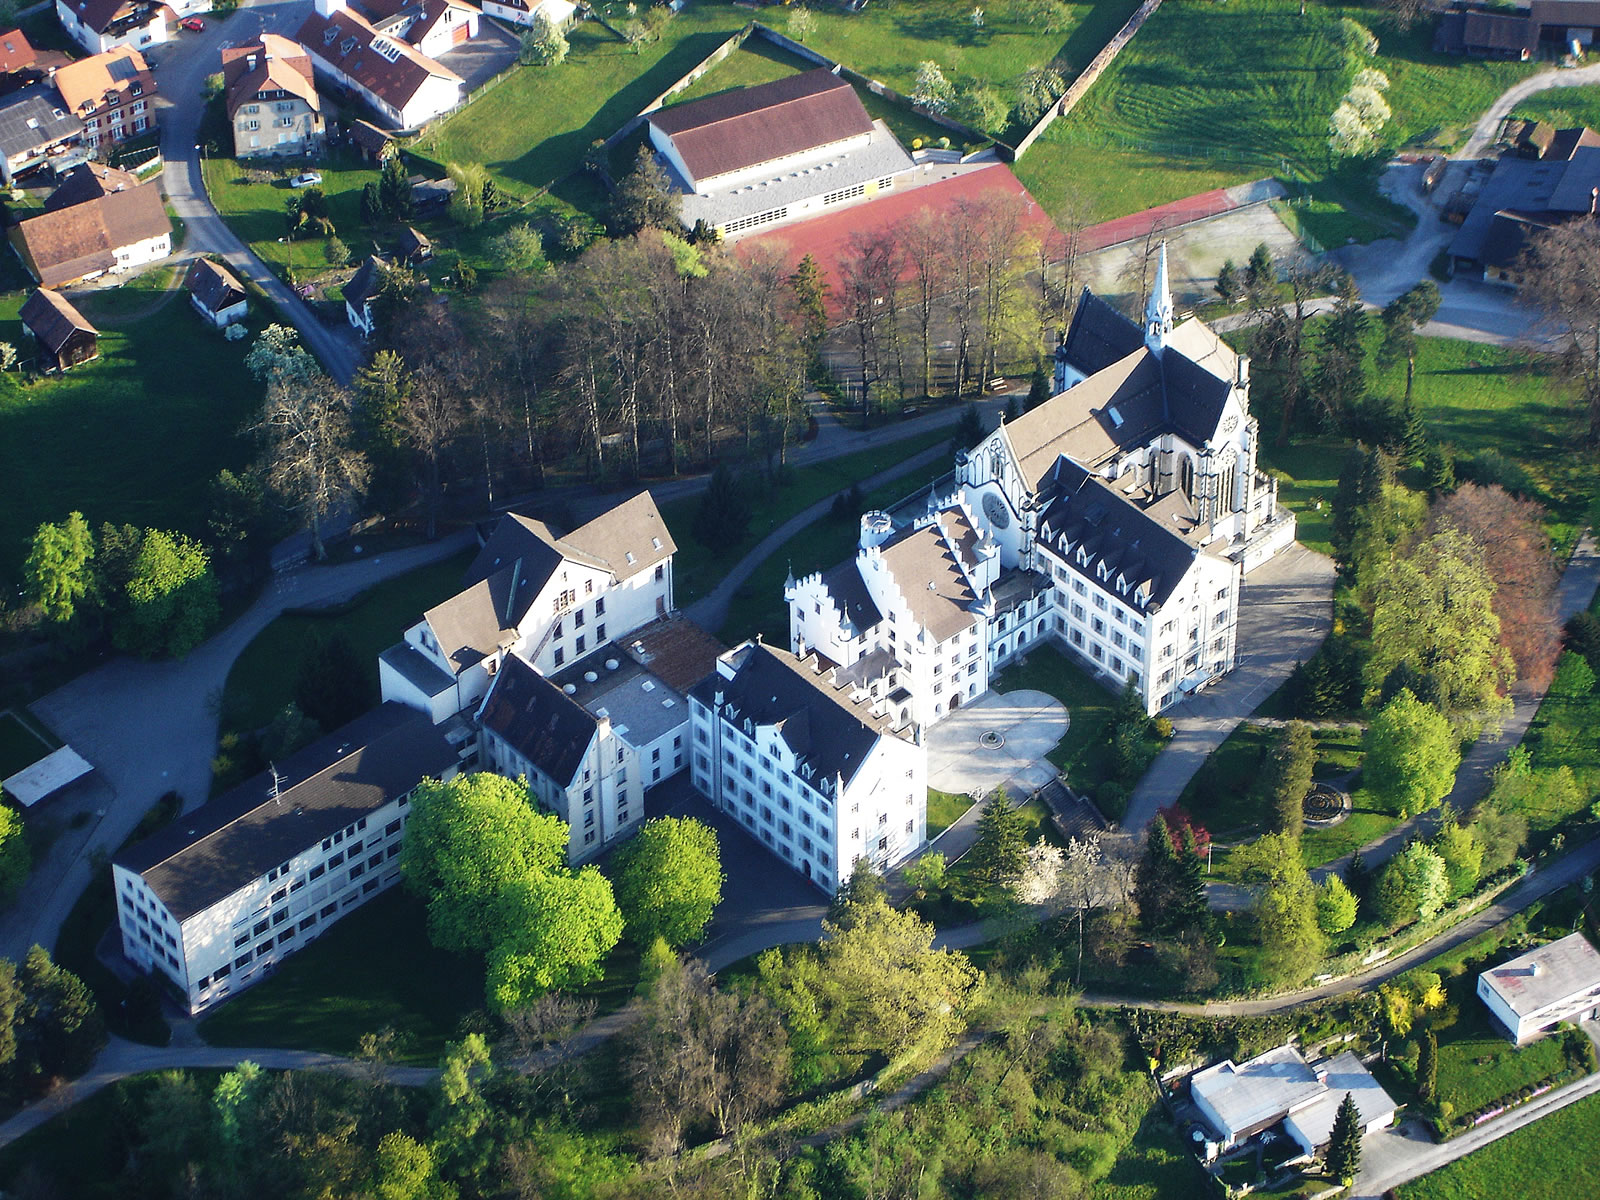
x=216, y=293
x=111, y=94
x=271, y=98
x=775, y=153
x=1533, y=993
x=88, y=181
x=114, y=233
x=222, y=895
x=558, y=13
x=101, y=25
x=434, y=27
x=35, y=130
x=65, y=338
x=1518, y=31
x=799, y=753
x=1240, y=1101
x=403, y=85
x=21, y=65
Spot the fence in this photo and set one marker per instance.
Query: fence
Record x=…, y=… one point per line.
x=683, y=81
x=1081, y=85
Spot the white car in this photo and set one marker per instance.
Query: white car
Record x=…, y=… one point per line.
x=305, y=179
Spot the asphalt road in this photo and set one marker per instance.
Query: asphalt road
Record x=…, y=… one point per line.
x=181, y=70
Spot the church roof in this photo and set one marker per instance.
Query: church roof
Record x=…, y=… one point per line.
x=1117, y=408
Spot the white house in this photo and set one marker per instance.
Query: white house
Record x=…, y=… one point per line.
x=574, y=760
x=109, y=234
x=101, y=25
x=775, y=153
x=434, y=27
x=1534, y=992
x=548, y=599
x=216, y=900
x=525, y=12
x=405, y=86
x=800, y=754
x=1135, y=492
x=271, y=97
x=216, y=293
x=1239, y=1101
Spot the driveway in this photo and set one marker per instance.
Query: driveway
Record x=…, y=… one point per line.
x=181, y=71
x=1285, y=611
x=484, y=57
x=151, y=727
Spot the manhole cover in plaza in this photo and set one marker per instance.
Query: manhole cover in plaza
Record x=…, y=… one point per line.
x=992, y=740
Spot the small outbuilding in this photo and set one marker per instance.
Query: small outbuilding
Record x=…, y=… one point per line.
x=1534, y=992
x=65, y=338
x=216, y=293
x=415, y=246
x=359, y=293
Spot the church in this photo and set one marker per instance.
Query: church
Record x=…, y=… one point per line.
x=1118, y=520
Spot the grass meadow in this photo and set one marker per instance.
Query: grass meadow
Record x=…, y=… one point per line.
x=1554, y=1155
x=1564, y=107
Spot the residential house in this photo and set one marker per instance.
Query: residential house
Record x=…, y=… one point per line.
x=111, y=94
x=1240, y=1101
x=547, y=598
x=88, y=181
x=414, y=246
x=775, y=153
x=359, y=293
x=65, y=338
x=799, y=753
x=216, y=293
x=220, y=897
x=1523, y=196
x=17, y=54
x=404, y=86
x=36, y=130
x=116, y=233
x=271, y=98
x=558, y=13
x=1533, y=993
x=434, y=27
x=101, y=25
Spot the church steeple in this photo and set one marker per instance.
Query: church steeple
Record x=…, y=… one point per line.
x=1158, y=312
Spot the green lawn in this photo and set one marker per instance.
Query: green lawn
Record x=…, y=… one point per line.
x=944, y=810
x=1221, y=795
x=1553, y=1157
x=135, y=437
x=374, y=969
x=1563, y=106
x=135, y=298
x=1155, y=1166
x=21, y=744
x=1364, y=824
x=262, y=679
x=1206, y=96
x=1565, y=733
x=1478, y=1065
x=255, y=210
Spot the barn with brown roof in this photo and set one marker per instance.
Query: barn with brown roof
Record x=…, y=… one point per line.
x=65, y=338
x=117, y=232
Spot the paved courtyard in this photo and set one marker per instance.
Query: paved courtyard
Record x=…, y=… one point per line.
x=1029, y=725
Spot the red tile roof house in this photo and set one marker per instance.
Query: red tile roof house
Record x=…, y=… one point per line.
x=112, y=234
x=101, y=25
x=271, y=98
x=404, y=86
x=775, y=153
x=111, y=94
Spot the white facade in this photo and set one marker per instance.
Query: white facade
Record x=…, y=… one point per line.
x=558, y=12
x=808, y=806
x=225, y=316
x=730, y=181
x=1535, y=992
x=426, y=92
x=136, y=254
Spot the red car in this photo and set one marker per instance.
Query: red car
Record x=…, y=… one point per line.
x=193, y=24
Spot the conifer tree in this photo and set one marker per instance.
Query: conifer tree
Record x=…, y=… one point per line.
x=1188, y=909
x=1154, y=890
x=1344, y=1150
x=1428, y=1067
x=1286, y=776
x=1229, y=285
x=1038, y=388
x=1002, y=847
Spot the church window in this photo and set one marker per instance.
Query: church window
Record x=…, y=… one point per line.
x=997, y=465
x=1186, y=477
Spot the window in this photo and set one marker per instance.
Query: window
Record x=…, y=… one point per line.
x=561, y=656
x=260, y=928
x=307, y=922
x=264, y=949
x=328, y=910
x=337, y=859
x=241, y=940
x=279, y=917
x=392, y=828
x=661, y=572
x=318, y=871
x=286, y=936
x=243, y=960
x=578, y=649
x=599, y=633
x=577, y=619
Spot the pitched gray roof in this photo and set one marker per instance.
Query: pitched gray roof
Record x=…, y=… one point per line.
x=227, y=843
x=1081, y=512
x=214, y=285
x=1099, y=335
x=538, y=720
x=849, y=592
x=813, y=714
x=34, y=117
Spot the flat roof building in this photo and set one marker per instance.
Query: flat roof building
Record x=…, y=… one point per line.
x=1534, y=992
x=1240, y=1100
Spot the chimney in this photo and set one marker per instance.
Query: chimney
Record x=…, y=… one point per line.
x=1594, y=200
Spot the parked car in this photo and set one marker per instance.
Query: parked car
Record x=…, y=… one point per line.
x=305, y=179
x=192, y=24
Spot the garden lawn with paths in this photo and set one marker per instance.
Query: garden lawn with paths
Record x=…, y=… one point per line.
x=1205, y=96
x=262, y=679
x=1222, y=795
x=134, y=437
x=1472, y=398
x=1557, y=1151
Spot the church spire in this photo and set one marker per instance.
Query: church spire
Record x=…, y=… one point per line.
x=1158, y=312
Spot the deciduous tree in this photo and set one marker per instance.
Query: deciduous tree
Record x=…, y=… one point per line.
x=171, y=597
x=668, y=880
x=1560, y=276
x=1292, y=941
x=310, y=457
x=1411, y=755
x=1336, y=906
x=1403, y=316
x=1286, y=776
x=59, y=570
x=1413, y=886
x=555, y=928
